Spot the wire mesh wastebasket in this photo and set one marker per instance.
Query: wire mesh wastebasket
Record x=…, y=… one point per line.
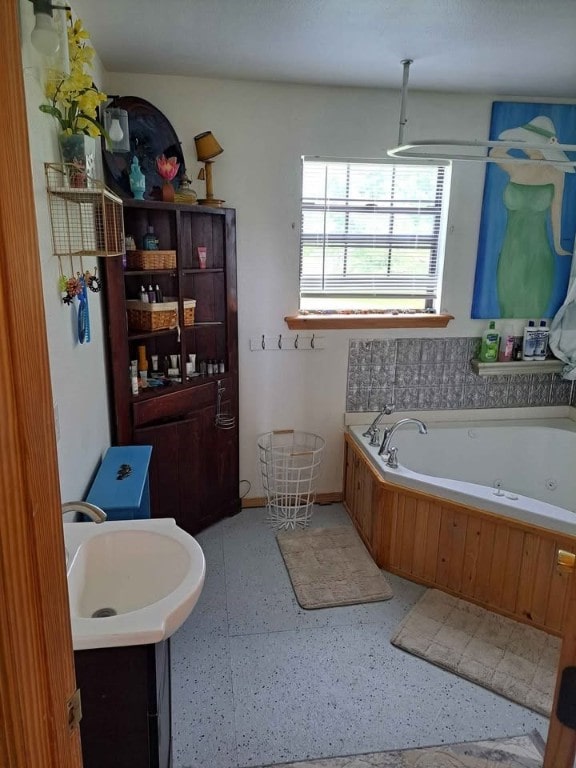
x=290, y=463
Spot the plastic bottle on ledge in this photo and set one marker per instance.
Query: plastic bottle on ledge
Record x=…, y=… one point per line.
x=542, y=338
x=529, y=343
x=490, y=343
x=507, y=341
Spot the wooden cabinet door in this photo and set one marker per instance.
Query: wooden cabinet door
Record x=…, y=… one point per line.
x=364, y=493
x=349, y=469
x=176, y=470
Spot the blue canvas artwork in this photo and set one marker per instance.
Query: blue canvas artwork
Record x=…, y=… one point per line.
x=528, y=219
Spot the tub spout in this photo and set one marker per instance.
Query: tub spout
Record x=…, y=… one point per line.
x=385, y=446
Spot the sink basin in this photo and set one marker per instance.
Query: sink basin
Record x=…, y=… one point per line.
x=130, y=582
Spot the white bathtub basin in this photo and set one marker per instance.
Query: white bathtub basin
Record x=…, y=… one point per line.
x=130, y=582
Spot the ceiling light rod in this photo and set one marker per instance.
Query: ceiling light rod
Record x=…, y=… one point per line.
x=404, y=97
x=548, y=147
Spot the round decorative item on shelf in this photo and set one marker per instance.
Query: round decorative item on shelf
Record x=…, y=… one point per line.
x=185, y=193
x=151, y=135
x=78, y=151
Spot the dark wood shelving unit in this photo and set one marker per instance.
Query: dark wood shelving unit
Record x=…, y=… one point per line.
x=194, y=469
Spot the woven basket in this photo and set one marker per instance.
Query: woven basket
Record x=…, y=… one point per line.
x=151, y=259
x=143, y=316
x=189, y=308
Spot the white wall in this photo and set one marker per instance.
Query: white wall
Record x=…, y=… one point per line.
x=264, y=129
x=77, y=371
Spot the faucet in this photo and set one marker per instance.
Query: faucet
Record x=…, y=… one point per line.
x=385, y=447
x=373, y=428
x=94, y=513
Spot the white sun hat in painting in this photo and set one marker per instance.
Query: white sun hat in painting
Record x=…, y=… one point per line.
x=540, y=133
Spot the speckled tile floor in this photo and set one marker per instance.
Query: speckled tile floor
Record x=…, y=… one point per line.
x=257, y=680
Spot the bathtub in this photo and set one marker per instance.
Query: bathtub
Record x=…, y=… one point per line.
x=525, y=470
x=482, y=510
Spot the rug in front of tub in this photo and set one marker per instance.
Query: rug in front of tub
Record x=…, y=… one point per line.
x=514, y=752
x=507, y=657
x=330, y=567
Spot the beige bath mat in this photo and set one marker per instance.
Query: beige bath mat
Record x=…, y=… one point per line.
x=512, y=659
x=330, y=567
x=514, y=752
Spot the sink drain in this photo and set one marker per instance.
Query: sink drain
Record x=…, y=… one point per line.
x=103, y=613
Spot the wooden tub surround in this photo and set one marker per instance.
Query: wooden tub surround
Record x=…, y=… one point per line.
x=500, y=563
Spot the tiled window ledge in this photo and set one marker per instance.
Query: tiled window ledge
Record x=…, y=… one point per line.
x=342, y=321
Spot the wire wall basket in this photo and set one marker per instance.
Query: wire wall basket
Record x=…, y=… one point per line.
x=290, y=464
x=86, y=216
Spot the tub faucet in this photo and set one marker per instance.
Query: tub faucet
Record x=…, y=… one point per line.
x=371, y=431
x=385, y=446
x=94, y=513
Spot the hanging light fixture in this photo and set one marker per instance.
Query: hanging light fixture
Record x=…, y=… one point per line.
x=537, y=136
x=117, y=129
x=45, y=37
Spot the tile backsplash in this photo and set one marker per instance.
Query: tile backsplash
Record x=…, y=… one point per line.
x=435, y=374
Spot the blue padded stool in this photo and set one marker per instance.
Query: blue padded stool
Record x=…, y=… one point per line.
x=121, y=487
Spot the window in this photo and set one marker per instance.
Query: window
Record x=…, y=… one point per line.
x=371, y=235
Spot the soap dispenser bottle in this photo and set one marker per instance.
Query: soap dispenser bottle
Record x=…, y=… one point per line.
x=490, y=344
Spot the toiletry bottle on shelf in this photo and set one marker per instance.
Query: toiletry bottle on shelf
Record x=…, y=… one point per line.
x=490, y=343
x=542, y=338
x=134, y=382
x=151, y=295
x=144, y=294
x=142, y=359
x=159, y=296
x=529, y=342
x=150, y=241
x=507, y=342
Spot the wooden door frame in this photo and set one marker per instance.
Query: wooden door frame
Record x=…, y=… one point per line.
x=36, y=659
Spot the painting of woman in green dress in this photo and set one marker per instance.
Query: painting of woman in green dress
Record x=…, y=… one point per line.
x=527, y=235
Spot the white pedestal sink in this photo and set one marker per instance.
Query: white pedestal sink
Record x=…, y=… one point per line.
x=130, y=582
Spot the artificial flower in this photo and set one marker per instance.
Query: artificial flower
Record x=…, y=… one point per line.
x=73, y=97
x=167, y=167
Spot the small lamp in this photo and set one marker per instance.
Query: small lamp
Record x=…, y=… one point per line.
x=207, y=148
x=116, y=126
x=45, y=37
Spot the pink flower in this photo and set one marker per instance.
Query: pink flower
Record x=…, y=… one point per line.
x=167, y=167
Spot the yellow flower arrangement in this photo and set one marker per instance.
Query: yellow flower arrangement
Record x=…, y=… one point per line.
x=74, y=99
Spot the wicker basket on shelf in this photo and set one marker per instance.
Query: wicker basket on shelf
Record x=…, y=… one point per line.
x=189, y=308
x=143, y=316
x=151, y=259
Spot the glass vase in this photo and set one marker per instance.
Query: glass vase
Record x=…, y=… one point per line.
x=78, y=152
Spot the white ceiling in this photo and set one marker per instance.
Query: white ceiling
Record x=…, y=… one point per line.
x=513, y=47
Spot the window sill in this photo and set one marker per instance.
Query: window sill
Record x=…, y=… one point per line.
x=336, y=321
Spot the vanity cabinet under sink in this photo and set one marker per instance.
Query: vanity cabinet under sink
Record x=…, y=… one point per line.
x=126, y=715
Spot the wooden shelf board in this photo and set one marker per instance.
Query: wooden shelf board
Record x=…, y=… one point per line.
x=338, y=321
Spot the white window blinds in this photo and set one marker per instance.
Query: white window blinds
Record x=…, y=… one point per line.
x=370, y=230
